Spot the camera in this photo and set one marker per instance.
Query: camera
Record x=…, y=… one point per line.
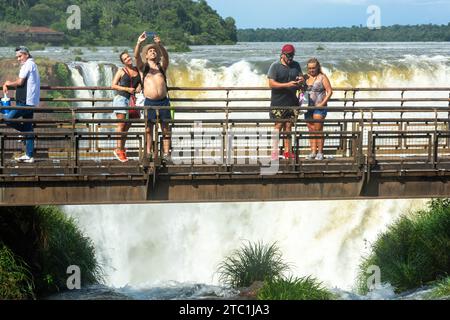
x=150, y=34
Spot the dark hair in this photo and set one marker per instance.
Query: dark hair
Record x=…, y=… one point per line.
x=25, y=50
x=121, y=54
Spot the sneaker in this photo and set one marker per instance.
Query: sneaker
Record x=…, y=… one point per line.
x=288, y=155
x=319, y=156
x=275, y=155
x=120, y=155
x=312, y=156
x=25, y=158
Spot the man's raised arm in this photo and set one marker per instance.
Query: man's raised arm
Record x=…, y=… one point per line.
x=137, y=51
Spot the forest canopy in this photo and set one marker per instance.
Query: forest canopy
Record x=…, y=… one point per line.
x=118, y=22
x=395, y=33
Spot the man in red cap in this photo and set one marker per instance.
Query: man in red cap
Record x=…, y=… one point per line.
x=285, y=78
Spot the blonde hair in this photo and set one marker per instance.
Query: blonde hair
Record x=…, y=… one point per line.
x=314, y=60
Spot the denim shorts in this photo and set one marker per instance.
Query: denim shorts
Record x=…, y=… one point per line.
x=120, y=101
x=163, y=114
x=310, y=114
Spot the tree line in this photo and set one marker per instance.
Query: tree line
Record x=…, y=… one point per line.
x=117, y=22
x=395, y=33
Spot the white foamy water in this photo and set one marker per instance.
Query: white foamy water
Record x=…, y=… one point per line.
x=153, y=244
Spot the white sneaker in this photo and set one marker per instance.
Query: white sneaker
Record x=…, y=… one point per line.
x=25, y=159
x=319, y=156
x=312, y=156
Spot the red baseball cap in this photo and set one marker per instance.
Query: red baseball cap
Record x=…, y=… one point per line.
x=288, y=48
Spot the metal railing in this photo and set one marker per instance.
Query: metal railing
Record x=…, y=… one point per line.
x=228, y=130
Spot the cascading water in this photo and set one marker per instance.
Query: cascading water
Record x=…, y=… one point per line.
x=147, y=247
x=158, y=243
x=92, y=74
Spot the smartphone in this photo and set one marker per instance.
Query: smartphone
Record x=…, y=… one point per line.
x=150, y=34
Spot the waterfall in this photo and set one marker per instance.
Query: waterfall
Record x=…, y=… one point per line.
x=78, y=81
x=153, y=244
x=149, y=245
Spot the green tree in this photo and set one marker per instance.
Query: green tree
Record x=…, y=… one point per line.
x=41, y=15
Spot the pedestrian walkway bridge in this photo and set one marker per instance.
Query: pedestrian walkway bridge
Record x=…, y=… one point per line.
x=379, y=143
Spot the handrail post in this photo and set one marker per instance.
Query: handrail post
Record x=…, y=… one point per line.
x=77, y=155
x=2, y=156
x=228, y=141
x=156, y=136
x=353, y=125
x=360, y=146
x=435, y=150
x=370, y=152
x=400, y=124
x=146, y=155
x=361, y=128
x=431, y=147
x=436, y=140
x=74, y=138
x=448, y=122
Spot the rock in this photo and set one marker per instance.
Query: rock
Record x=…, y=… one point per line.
x=252, y=291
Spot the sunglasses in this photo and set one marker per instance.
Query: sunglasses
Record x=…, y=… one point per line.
x=290, y=56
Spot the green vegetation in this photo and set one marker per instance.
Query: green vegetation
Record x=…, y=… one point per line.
x=119, y=23
x=15, y=279
x=291, y=288
x=64, y=245
x=395, y=33
x=77, y=52
x=414, y=251
x=36, y=46
x=442, y=289
x=252, y=262
x=48, y=242
x=258, y=262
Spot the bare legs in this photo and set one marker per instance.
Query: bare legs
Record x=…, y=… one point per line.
x=122, y=127
x=317, y=142
x=287, y=126
x=166, y=137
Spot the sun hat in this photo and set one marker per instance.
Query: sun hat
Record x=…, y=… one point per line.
x=148, y=47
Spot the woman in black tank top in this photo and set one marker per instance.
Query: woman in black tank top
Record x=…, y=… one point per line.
x=126, y=82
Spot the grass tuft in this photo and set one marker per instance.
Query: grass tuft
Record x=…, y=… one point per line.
x=252, y=262
x=293, y=288
x=15, y=278
x=63, y=245
x=442, y=289
x=414, y=251
x=47, y=242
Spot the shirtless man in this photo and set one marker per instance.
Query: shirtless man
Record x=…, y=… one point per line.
x=152, y=62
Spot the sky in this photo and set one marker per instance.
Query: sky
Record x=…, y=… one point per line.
x=330, y=13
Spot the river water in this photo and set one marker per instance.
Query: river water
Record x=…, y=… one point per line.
x=172, y=251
